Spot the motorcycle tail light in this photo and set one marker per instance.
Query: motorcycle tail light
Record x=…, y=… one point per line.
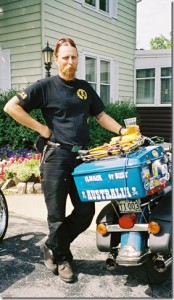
x=127, y=221
x=153, y=227
x=102, y=229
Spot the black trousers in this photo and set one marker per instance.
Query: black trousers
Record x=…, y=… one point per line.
x=57, y=182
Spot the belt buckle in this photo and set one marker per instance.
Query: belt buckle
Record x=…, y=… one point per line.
x=76, y=148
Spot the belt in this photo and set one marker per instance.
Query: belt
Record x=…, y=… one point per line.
x=73, y=148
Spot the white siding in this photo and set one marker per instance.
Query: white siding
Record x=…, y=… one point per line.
x=152, y=58
x=20, y=24
x=96, y=33
x=26, y=26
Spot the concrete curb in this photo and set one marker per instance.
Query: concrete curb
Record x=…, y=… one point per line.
x=33, y=206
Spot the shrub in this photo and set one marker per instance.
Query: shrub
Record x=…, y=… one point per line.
x=21, y=137
x=21, y=164
x=23, y=171
x=13, y=133
x=119, y=111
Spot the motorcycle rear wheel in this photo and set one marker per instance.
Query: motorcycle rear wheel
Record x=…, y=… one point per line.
x=156, y=276
x=3, y=216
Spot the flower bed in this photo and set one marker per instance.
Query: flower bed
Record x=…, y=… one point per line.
x=19, y=166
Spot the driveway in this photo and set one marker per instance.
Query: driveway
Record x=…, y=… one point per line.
x=24, y=275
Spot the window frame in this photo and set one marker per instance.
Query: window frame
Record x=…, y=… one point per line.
x=113, y=8
x=165, y=77
x=96, y=7
x=113, y=72
x=5, y=70
x=157, y=88
x=156, y=59
x=139, y=79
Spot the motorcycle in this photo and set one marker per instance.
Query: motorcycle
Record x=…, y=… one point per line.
x=135, y=227
x=3, y=215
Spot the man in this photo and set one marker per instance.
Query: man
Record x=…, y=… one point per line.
x=66, y=103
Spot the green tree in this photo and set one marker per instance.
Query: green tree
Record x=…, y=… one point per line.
x=160, y=42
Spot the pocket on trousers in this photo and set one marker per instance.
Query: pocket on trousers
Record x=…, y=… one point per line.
x=39, y=143
x=49, y=153
x=46, y=157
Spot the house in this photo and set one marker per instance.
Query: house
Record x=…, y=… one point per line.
x=153, y=92
x=104, y=31
x=105, y=34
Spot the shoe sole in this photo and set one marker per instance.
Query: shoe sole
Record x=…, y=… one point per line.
x=70, y=280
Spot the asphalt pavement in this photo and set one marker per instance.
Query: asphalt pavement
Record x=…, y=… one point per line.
x=24, y=275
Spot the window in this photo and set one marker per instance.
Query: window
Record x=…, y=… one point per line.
x=97, y=73
x=91, y=2
x=101, y=72
x=145, y=86
x=99, y=4
x=153, y=86
x=91, y=74
x=166, y=85
x=105, y=80
x=105, y=7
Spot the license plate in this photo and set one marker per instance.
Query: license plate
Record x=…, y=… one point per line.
x=129, y=205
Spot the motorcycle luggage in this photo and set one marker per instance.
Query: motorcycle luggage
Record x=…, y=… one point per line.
x=138, y=174
x=162, y=214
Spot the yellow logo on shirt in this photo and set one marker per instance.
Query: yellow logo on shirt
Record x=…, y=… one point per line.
x=82, y=94
x=23, y=95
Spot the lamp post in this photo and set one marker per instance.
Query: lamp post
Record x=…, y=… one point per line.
x=48, y=55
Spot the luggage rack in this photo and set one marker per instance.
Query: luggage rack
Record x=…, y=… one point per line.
x=108, y=151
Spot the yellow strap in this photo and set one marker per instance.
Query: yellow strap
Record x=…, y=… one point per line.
x=116, y=145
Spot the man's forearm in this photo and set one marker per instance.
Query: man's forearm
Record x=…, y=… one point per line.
x=108, y=123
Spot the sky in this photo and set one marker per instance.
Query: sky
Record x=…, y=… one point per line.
x=153, y=19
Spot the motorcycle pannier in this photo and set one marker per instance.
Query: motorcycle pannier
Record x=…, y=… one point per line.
x=136, y=175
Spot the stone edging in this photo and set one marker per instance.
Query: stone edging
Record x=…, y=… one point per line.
x=10, y=187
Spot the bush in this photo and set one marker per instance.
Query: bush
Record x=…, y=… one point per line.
x=119, y=111
x=13, y=133
x=21, y=137
x=23, y=171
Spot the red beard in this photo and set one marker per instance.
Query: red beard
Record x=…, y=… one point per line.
x=68, y=72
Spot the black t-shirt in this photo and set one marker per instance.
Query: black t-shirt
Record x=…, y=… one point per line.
x=66, y=107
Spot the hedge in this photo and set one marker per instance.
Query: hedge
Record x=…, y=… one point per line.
x=13, y=133
x=21, y=137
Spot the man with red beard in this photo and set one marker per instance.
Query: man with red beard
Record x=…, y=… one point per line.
x=66, y=103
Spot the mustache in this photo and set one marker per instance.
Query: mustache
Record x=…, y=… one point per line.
x=69, y=72
x=69, y=69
